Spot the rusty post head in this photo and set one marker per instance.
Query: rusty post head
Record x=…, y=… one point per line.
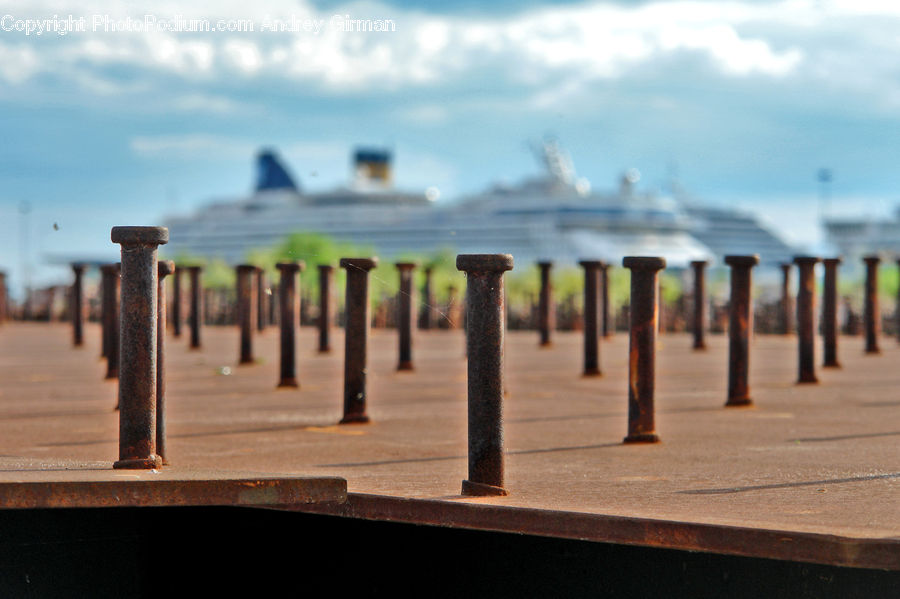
x=831, y=261
x=406, y=265
x=138, y=335
x=484, y=340
x=806, y=260
x=365, y=264
x=872, y=259
x=747, y=261
x=644, y=263
x=165, y=268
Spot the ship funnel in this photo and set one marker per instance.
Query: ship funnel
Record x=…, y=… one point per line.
x=271, y=174
x=372, y=166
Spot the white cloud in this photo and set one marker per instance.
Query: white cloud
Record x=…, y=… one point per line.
x=560, y=46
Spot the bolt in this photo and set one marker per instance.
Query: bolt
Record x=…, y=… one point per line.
x=426, y=319
x=545, y=304
x=326, y=275
x=110, y=290
x=4, y=298
x=484, y=342
x=176, y=303
x=642, y=347
x=356, y=337
x=739, y=327
x=110, y=317
x=196, y=318
x=787, y=324
x=261, y=300
x=137, y=347
x=699, y=267
x=164, y=269
x=604, y=279
x=454, y=310
x=246, y=309
x=806, y=317
x=405, y=314
x=78, y=305
x=829, y=313
x=289, y=301
x=591, y=314
x=871, y=315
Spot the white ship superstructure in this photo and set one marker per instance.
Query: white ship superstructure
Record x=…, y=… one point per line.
x=555, y=216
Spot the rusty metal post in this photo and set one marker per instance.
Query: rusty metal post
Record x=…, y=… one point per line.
x=261, y=302
x=105, y=281
x=4, y=298
x=137, y=347
x=111, y=318
x=196, y=318
x=164, y=269
x=546, y=316
x=289, y=302
x=405, y=314
x=591, y=317
x=246, y=309
x=740, y=324
x=699, y=267
x=77, y=306
x=176, y=303
x=356, y=337
x=604, y=314
x=642, y=347
x=829, y=313
x=326, y=276
x=787, y=324
x=871, y=314
x=806, y=318
x=426, y=320
x=484, y=342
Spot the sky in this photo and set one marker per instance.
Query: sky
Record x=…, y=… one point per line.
x=742, y=101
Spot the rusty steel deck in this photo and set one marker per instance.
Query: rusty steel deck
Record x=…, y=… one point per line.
x=809, y=473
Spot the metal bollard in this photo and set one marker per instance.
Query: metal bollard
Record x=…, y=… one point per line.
x=176, y=303
x=289, y=302
x=261, y=297
x=110, y=273
x=739, y=327
x=196, y=317
x=787, y=324
x=246, y=309
x=426, y=321
x=604, y=282
x=484, y=341
x=326, y=276
x=77, y=306
x=4, y=298
x=137, y=379
x=806, y=318
x=829, y=313
x=405, y=314
x=105, y=277
x=871, y=315
x=699, y=267
x=591, y=317
x=642, y=347
x=545, y=304
x=164, y=269
x=356, y=337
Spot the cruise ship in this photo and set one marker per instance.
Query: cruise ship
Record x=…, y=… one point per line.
x=555, y=215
